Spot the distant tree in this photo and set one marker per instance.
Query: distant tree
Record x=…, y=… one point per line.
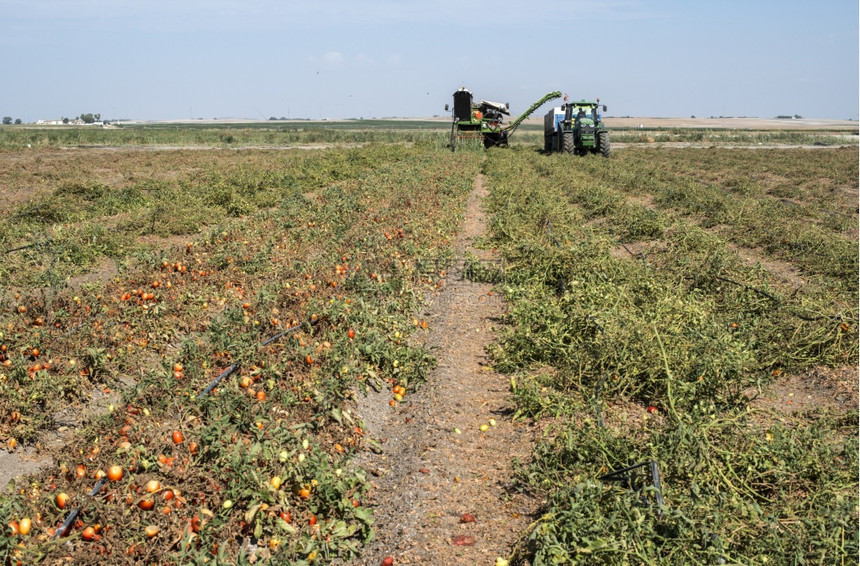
x=272, y=118
x=65, y=120
x=87, y=118
x=98, y=117
x=18, y=121
x=7, y=120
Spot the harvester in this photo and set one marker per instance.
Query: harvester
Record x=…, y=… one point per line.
x=484, y=121
x=576, y=127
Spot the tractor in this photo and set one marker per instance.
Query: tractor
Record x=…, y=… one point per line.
x=484, y=121
x=576, y=127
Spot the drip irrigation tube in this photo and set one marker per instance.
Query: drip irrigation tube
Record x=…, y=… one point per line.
x=66, y=524
x=655, y=477
x=218, y=379
x=279, y=335
x=624, y=477
x=745, y=286
x=101, y=483
x=232, y=368
x=61, y=531
x=21, y=248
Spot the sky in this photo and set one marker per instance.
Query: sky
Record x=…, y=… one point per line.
x=256, y=59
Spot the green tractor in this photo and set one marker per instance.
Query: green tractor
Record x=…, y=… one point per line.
x=576, y=127
x=484, y=121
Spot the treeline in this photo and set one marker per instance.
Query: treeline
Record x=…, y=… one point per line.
x=85, y=118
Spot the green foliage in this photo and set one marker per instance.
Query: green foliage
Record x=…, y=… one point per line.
x=731, y=490
x=532, y=135
x=230, y=135
x=622, y=293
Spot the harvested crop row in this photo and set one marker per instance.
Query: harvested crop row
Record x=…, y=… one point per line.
x=650, y=354
x=258, y=467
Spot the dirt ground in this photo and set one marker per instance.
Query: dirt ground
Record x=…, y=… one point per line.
x=732, y=123
x=819, y=388
x=438, y=465
x=429, y=476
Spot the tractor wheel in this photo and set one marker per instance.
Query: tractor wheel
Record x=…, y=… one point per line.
x=603, y=142
x=567, y=142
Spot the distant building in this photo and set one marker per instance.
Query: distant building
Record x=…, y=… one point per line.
x=69, y=122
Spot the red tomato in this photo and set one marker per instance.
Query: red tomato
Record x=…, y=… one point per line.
x=115, y=473
x=62, y=500
x=151, y=531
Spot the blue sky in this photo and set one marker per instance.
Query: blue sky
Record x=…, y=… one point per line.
x=158, y=59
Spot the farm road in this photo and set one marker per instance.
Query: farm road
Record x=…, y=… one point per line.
x=429, y=475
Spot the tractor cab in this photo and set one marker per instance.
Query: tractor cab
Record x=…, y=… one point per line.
x=584, y=112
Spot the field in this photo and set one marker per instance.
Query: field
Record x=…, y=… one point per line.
x=191, y=316
x=651, y=300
